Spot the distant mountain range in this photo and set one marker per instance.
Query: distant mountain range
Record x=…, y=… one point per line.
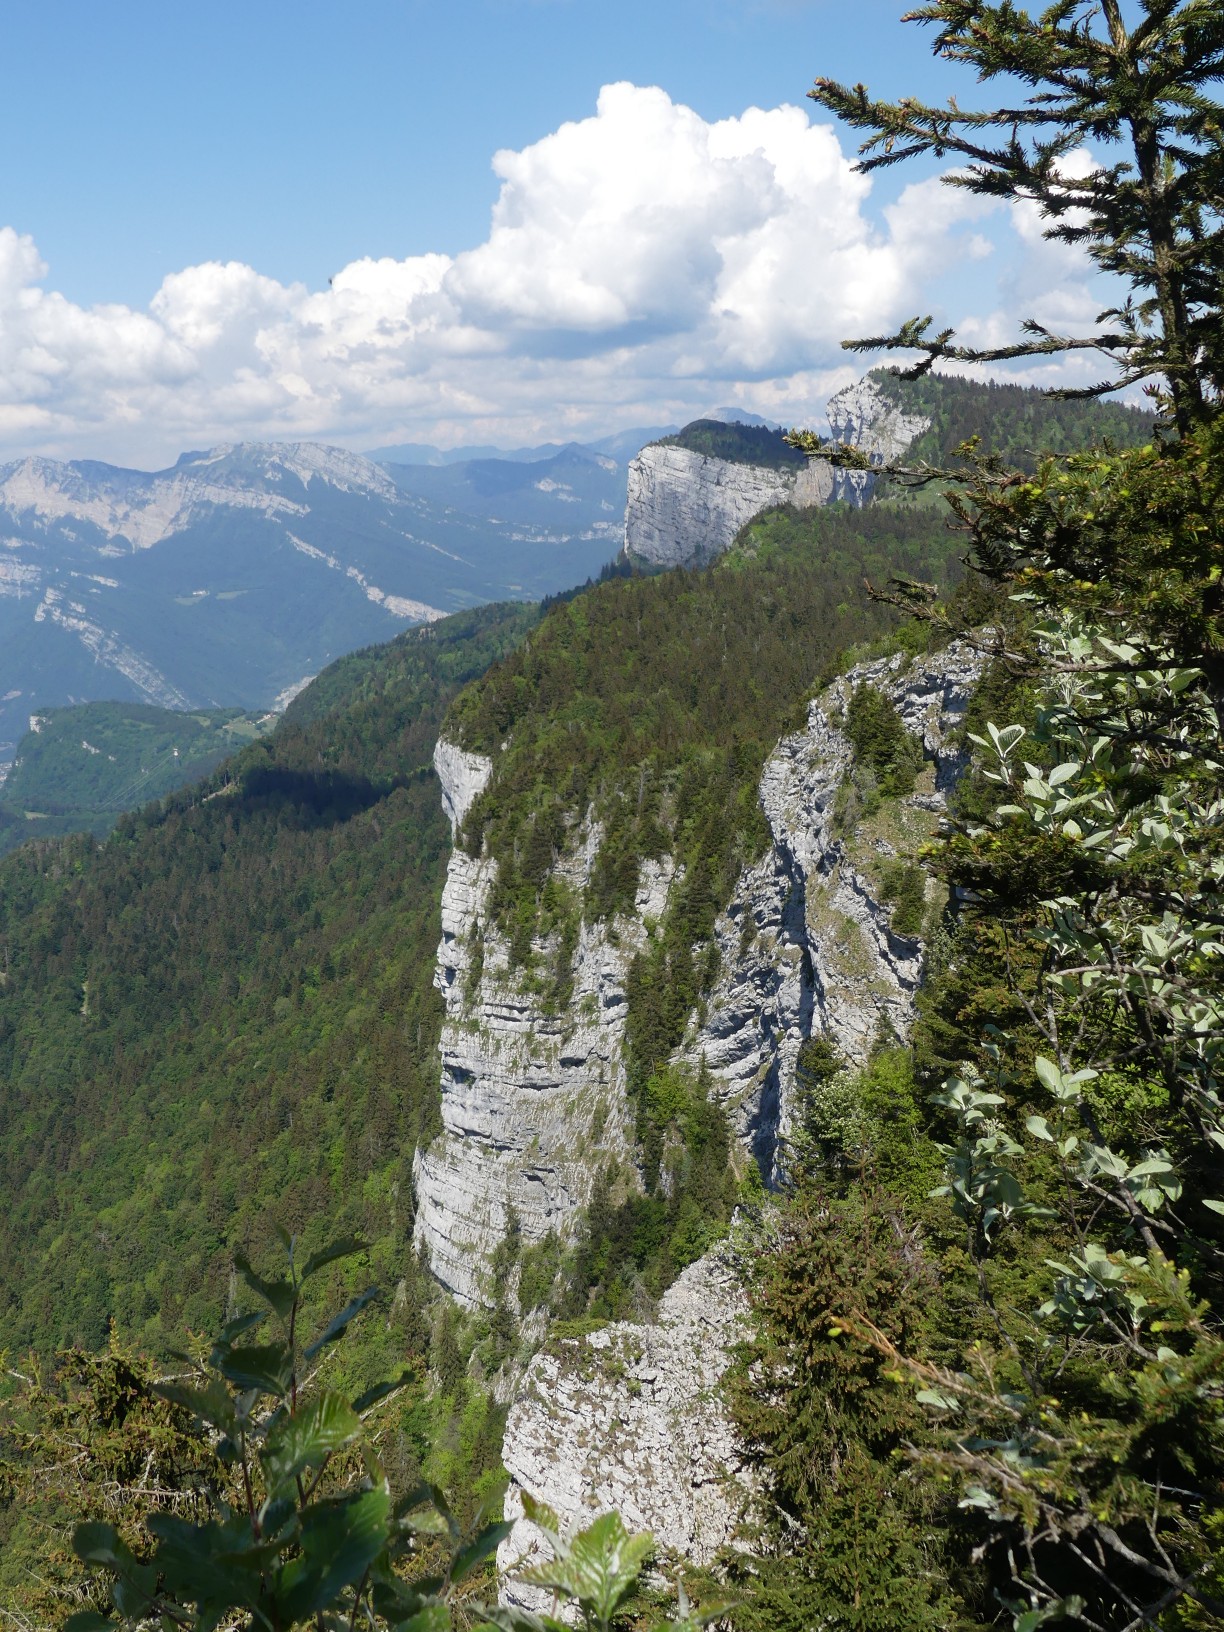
x=621, y=446
x=230, y=579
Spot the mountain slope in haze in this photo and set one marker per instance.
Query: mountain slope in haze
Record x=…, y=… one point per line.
x=571, y=491
x=229, y=579
x=618, y=445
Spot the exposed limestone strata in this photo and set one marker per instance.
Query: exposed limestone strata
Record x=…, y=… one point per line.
x=806, y=946
x=684, y=508
x=464, y=777
x=630, y=1418
x=533, y=1102
x=863, y=416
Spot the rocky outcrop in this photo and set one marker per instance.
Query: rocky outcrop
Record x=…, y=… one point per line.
x=807, y=944
x=533, y=1094
x=864, y=417
x=534, y=1105
x=630, y=1418
x=685, y=508
x=464, y=777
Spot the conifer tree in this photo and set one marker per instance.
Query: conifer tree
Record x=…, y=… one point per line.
x=1144, y=205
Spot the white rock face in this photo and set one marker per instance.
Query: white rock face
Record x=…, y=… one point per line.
x=685, y=508
x=533, y=1101
x=464, y=777
x=807, y=947
x=630, y=1418
x=862, y=416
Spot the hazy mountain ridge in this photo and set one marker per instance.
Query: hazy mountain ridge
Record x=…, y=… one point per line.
x=232, y=577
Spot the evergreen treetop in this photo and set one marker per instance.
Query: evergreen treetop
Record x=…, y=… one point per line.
x=1143, y=200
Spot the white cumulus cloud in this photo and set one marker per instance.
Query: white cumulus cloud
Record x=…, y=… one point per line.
x=640, y=264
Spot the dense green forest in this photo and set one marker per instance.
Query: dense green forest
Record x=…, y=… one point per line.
x=1016, y=423
x=80, y=768
x=743, y=444
x=196, y=1015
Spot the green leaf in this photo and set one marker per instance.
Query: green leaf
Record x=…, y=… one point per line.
x=236, y=1327
x=211, y=1403
x=478, y=1549
x=98, y=1543
x=599, y=1568
x=267, y=1367
x=279, y=1295
x=508, y=1618
x=344, y=1247
x=435, y=1617
x=1216, y=1206
x=339, y=1542
x=1048, y=1073
x=212, y=1563
x=307, y=1439
x=133, y=1598
x=1039, y=1128
x=540, y=1514
x=382, y=1391
x=88, y=1620
x=934, y=1397
x=428, y=1523
x=336, y=1325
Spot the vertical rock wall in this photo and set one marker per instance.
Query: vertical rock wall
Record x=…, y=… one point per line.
x=685, y=508
x=807, y=946
x=533, y=1100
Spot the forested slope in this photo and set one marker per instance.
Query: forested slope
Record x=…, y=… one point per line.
x=1017, y=423
x=224, y=1013
x=78, y=769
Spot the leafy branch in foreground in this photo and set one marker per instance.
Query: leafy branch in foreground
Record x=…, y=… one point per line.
x=305, y=1530
x=597, y=1572
x=1089, y=1434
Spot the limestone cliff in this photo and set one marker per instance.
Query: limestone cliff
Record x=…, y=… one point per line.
x=807, y=944
x=533, y=1095
x=533, y=1101
x=865, y=417
x=685, y=508
x=630, y=1418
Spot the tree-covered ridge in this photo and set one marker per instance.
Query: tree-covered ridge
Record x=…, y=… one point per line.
x=741, y=444
x=224, y=1015
x=86, y=764
x=1017, y=423
x=651, y=704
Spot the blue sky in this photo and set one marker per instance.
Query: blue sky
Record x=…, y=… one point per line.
x=294, y=141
